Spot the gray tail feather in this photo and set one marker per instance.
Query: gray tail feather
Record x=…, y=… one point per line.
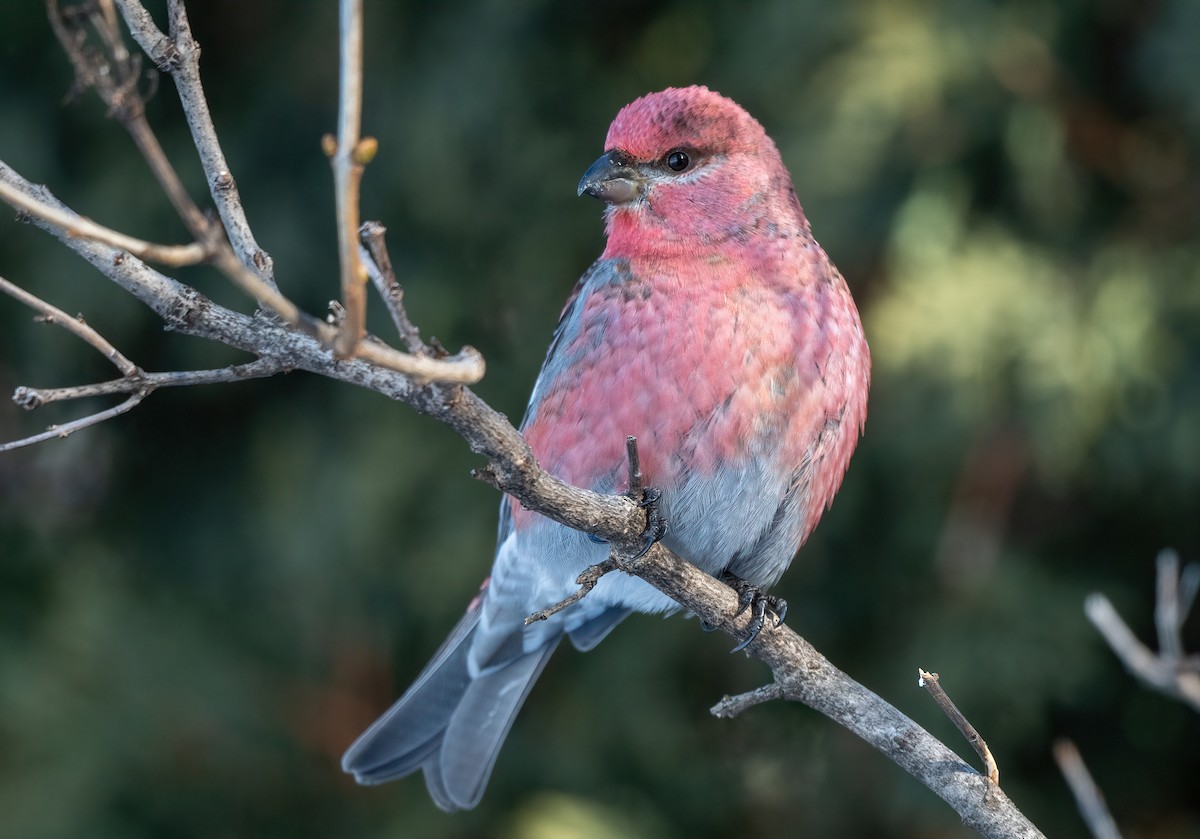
x=448, y=724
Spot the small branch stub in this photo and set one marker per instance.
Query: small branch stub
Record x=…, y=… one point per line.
x=635, y=468
x=730, y=706
x=586, y=581
x=932, y=684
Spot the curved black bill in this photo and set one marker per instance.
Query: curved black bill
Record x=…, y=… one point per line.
x=612, y=178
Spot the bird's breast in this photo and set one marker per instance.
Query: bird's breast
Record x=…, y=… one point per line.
x=707, y=364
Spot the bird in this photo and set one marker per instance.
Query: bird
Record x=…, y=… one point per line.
x=715, y=330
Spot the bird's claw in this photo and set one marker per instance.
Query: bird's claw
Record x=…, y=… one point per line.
x=759, y=602
x=656, y=525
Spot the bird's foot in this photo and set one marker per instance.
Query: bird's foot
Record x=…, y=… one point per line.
x=759, y=602
x=645, y=497
x=656, y=525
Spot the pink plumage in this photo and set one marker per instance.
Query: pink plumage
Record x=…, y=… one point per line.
x=715, y=330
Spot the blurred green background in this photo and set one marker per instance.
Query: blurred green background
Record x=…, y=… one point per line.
x=203, y=602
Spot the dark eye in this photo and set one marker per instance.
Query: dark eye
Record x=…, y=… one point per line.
x=678, y=161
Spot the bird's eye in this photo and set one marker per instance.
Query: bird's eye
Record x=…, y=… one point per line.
x=678, y=160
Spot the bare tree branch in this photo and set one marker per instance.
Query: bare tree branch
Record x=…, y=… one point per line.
x=30, y=398
x=804, y=675
x=1169, y=671
x=349, y=155
x=134, y=380
x=1175, y=595
x=114, y=74
x=67, y=429
x=1088, y=797
x=75, y=225
x=179, y=56
x=76, y=326
x=467, y=366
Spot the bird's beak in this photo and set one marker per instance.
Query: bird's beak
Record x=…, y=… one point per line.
x=613, y=178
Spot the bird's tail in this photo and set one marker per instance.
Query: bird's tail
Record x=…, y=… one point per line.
x=450, y=723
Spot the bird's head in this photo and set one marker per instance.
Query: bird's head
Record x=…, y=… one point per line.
x=686, y=167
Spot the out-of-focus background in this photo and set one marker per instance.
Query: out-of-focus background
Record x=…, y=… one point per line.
x=203, y=602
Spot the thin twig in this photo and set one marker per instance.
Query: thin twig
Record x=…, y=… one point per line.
x=115, y=83
x=70, y=428
x=1135, y=655
x=647, y=498
x=76, y=326
x=1088, y=797
x=1168, y=619
x=465, y=367
x=174, y=255
x=379, y=266
x=179, y=55
x=126, y=105
x=586, y=581
x=94, y=70
x=931, y=683
x=1189, y=587
x=730, y=706
x=349, y=155
x=153, y=288
x=30, y=398
x=114, y=74
x=134, y=380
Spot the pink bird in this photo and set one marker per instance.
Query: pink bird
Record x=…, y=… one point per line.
x=715, y=330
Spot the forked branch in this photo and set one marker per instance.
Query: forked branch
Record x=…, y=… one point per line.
x=1169, y=670
x=134, y=381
